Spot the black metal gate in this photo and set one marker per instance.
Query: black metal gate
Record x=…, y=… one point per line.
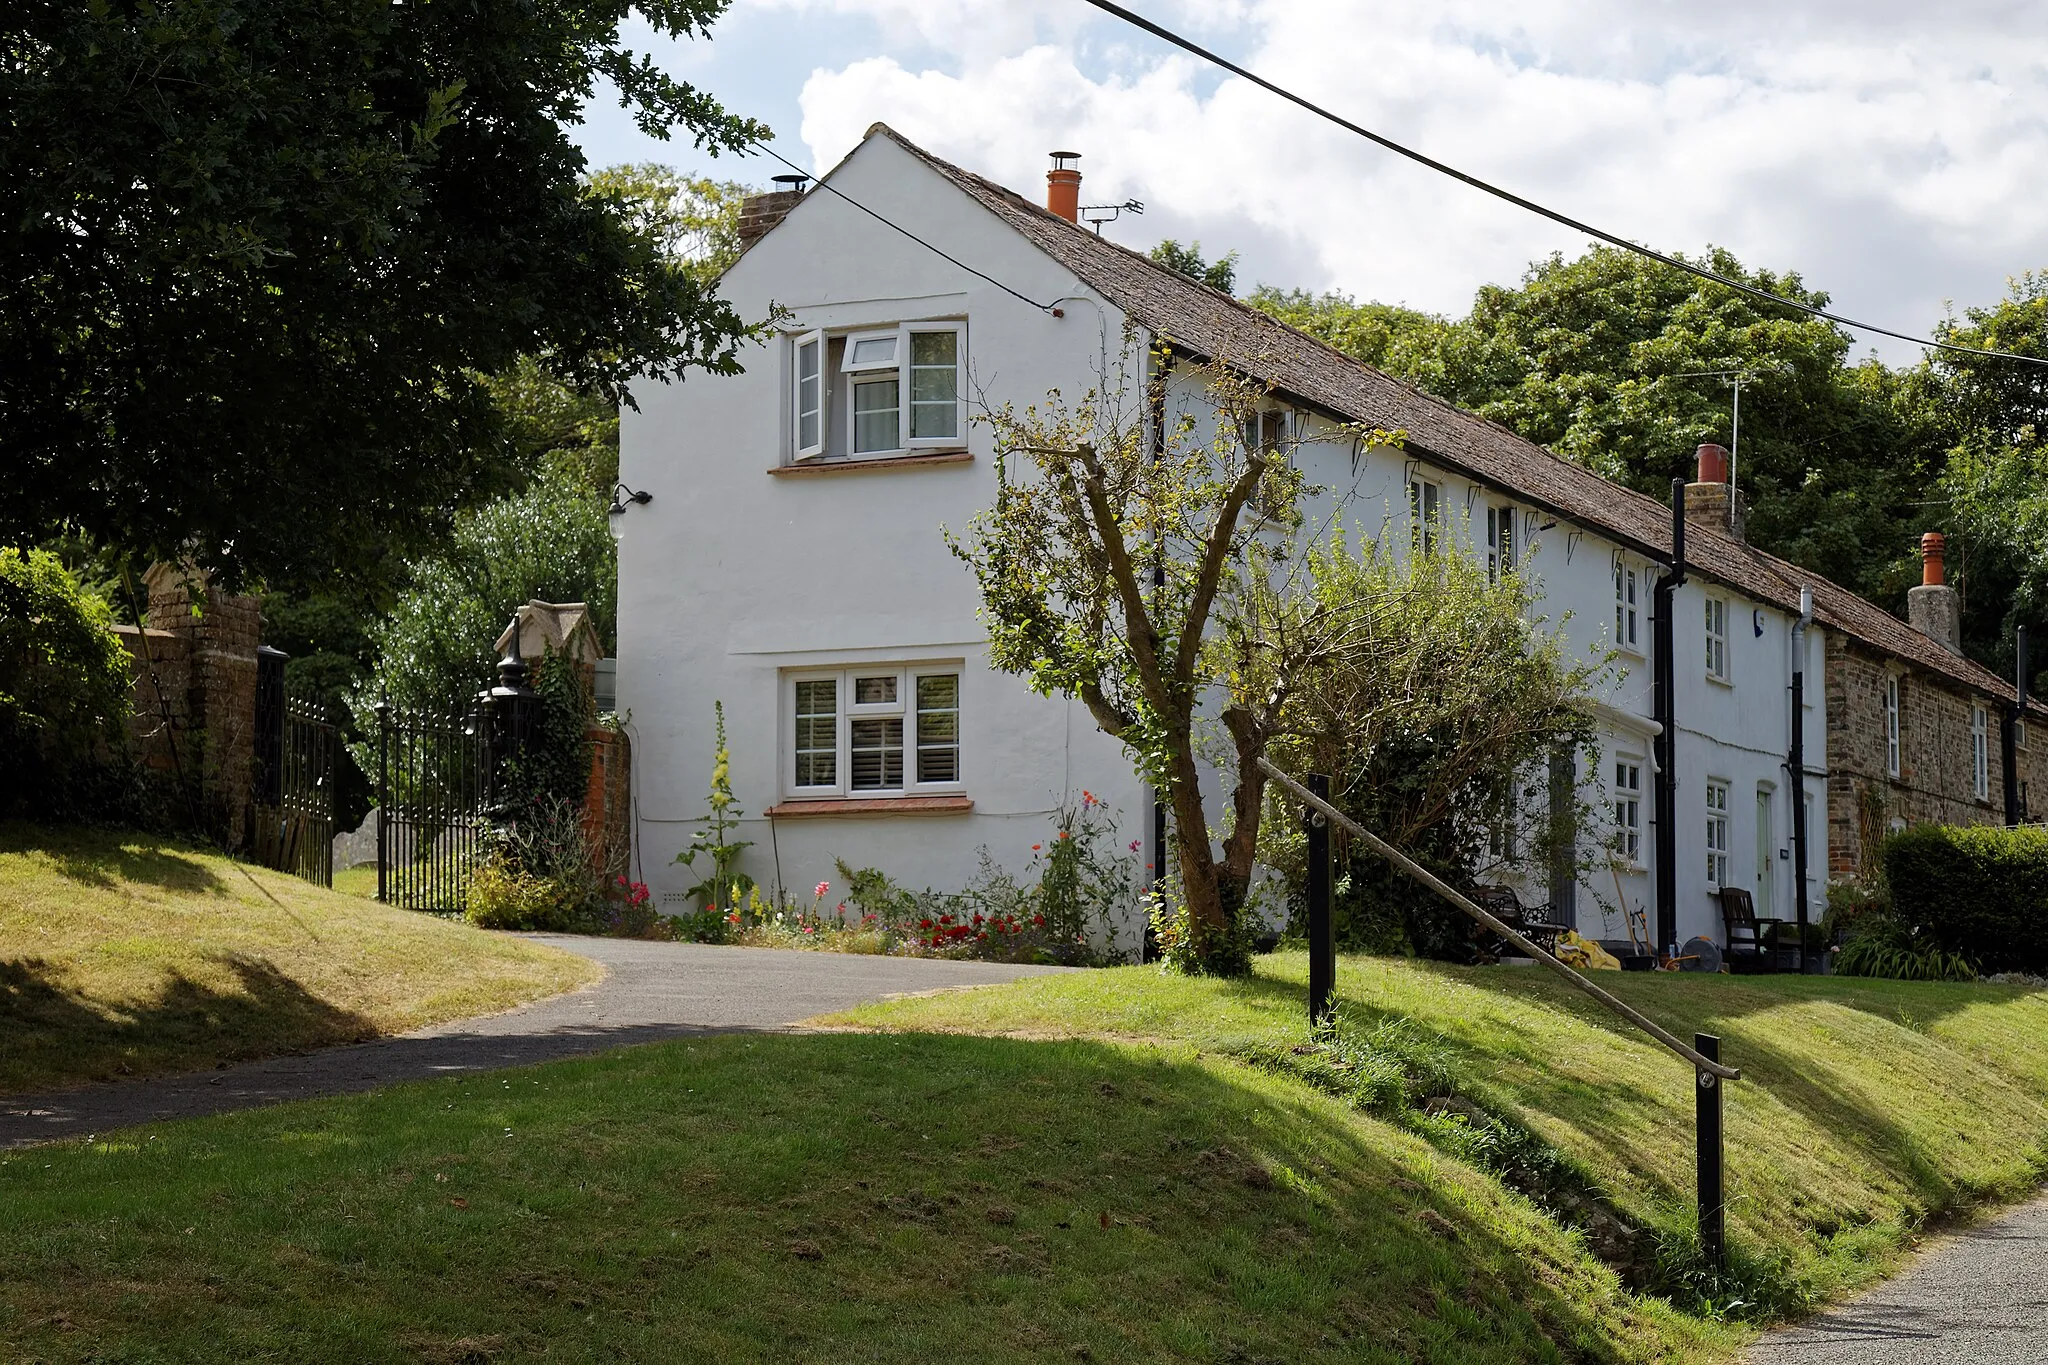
x=291, y=824
x=431, y=786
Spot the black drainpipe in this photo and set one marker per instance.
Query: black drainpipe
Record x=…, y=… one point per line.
x=1664, y=698
x=1797, y=766
x=2009, y=732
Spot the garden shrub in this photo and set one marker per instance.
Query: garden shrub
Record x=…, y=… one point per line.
x=1979, y=892
x=502, y=896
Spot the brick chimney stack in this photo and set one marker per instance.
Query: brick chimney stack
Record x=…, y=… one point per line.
x=1933, y=608
x=1712, y=501
x=759, y=213
x=1063, y=186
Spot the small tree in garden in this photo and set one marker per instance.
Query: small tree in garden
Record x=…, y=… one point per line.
x=1151, y=577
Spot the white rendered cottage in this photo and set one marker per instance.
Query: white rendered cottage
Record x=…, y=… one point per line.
x=791, y=564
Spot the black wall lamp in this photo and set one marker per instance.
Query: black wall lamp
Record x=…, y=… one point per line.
x=621, y=495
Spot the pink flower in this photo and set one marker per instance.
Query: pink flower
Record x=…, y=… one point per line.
x=823, y=887
x=1134, y=845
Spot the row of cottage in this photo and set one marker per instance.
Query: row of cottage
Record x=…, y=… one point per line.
x=791, y=565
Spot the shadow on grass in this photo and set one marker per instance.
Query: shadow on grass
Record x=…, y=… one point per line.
x=51, y=1034
x=896, y=1197
x=108, y=861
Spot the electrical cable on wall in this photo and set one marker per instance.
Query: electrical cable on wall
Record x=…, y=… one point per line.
x=1676, y=263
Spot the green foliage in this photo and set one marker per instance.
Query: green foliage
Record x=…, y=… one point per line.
x=1384, y=335
x=64, y=681
x=722, y=884
x=1192, y=950
x=1439, y=731
x=1220, y=273
x=260, y=256
x=501, y=895
x=553, y=767
x=435, y=651
x=1975, y=892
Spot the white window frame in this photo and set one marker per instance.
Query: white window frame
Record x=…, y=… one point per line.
x=1717, y=638
x=1626, y=805
x=847, y=711
x=836, y=400
x=806, y=450
x=1500, y=542
x=1626, y=618
x=1980, y=753
x=1425, y=514
x=1717, y=832
x=1893, y=754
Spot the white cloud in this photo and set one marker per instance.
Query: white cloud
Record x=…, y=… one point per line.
x=1890, y=153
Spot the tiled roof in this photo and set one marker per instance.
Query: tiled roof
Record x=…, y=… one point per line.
x=1214, y=324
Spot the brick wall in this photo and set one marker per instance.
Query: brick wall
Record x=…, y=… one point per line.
x=203, y=645
x=1936, y=780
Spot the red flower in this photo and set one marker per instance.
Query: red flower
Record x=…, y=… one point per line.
x=1034, y=848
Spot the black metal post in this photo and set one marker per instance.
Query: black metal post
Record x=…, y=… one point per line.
x=383, y=800
x=1712, y=1194
x=1798, y=767
x=1322, y=933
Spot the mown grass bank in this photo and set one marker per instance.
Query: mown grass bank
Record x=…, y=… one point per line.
x=1868, y=1109
x=125, y=955
x=806, y=1198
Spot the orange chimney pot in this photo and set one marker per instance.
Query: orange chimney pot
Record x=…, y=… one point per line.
x=1063, y=187
x=1713, y=463
x=1933, y=549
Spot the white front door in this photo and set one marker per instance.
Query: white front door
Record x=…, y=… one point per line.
x=1766, y=857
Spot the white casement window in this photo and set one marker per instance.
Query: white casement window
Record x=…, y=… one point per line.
x=1628, y=808
x=1717, y=638
x=881, y=730
x=1980, y=753
x=1625, y=619
x=883, y=391
x=1717, y=833
x=1500, y=542
x=1891, y=726
x=1425, y=514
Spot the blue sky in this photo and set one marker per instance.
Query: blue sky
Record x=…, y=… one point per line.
x=1890, y=151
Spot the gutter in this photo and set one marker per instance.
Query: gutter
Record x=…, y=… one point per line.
x=1664, y=704
x=1797, y=763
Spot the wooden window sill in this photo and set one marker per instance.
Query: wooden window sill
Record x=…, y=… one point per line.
x=872, y=805
x=921, y=460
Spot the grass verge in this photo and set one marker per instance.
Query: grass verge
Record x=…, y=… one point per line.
x=1868, y=1109
x=123, y=954
x=844, y=1197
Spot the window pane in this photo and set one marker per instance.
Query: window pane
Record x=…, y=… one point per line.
x=877, y=424
x=938, y=727
x=810, y=387
x=876, y=754
x=874, y=691
x=817, y=733
x=934, y=384
x=873, y=351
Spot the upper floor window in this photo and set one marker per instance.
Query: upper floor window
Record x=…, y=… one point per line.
x=1500, y=542
x=1425, y=514
x=1980, y=753
x=1891, y=726
x=1717, y=638
x=881, y=391
x=878, y=730
x=1625, y=619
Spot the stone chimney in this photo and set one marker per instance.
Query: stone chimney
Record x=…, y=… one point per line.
x=1712, y=501
x=761, y=212
x=1063, y=186
x=1932, y=608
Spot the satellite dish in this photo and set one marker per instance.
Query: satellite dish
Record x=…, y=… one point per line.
x=1700, y=955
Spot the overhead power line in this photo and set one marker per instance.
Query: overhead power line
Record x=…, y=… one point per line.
x=892, y=223
x=1190, y=46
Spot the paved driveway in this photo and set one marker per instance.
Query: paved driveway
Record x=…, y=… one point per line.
x=650, y=991
x=1979, y=1298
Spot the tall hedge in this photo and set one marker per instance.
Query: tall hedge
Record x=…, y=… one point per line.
x=1978, y=890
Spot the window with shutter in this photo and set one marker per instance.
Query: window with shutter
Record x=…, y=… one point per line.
x=878, y=730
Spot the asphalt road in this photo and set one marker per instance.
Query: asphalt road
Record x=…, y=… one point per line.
x=650, y=991
x=1978, y=1298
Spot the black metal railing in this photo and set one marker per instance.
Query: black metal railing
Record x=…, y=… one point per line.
x=291, y=815
x=431, y=784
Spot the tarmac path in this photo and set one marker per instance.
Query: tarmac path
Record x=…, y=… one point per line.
x=1977, y=1298
x=650, y=991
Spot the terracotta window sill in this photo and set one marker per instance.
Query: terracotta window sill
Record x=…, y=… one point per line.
x=873, y=805
x=810, y=468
